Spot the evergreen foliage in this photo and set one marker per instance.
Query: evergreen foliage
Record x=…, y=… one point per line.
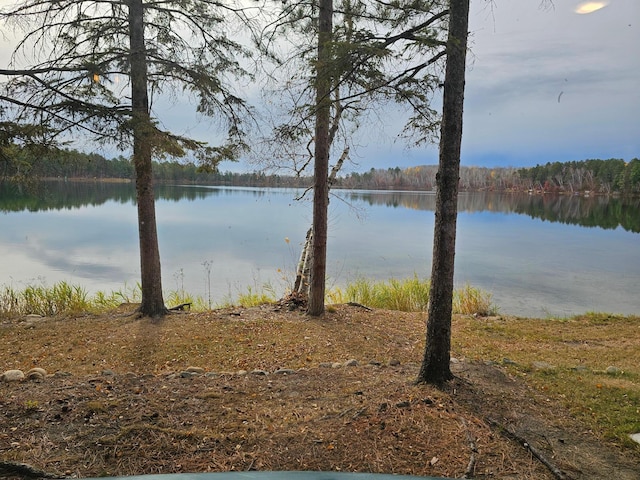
x=594, y=176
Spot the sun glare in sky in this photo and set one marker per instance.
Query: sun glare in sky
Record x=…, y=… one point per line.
x=590, y=7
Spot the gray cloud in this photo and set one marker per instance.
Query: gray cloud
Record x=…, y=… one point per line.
x=523, y=57
x=547, y=84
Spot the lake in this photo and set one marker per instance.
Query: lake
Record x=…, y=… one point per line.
x=537, y=255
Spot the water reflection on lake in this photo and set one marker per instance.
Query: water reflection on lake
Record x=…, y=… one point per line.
x=538, y=255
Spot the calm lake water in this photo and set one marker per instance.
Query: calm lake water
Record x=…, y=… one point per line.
x=538, y=256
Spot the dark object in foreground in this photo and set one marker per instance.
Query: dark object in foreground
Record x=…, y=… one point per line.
x=272, y=476
x=182, y=307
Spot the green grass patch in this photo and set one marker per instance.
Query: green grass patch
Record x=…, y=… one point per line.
x=254, y=297
x=46, y=301
x=63, y=298
x=411, y=295
x=408, y=295
x=607, y=403
x=595, y=359
x=469, y=300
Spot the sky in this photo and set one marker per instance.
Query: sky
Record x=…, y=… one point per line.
x=544, y=83
x=549, y=84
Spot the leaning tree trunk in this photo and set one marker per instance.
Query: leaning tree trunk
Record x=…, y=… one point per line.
x=435, y=367
x=303, y=271
x=151, y=279
x=301, y=284
x=321, y=160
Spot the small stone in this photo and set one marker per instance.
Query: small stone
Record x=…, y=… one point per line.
x=635, y=437
x=351, y=363
x=454, y=360
x=508, y=361
x=375, y=363
x=211, y=374
x=336, y=365
x=394, y=362
x=542, y=366
x=12, y=376
x=186, y=374
x=241, y=373
x=259, y=372
x=108, y=372
x=198, y=370
x=284, y=371
x=611, y=370
x=325, y=365
x=63, y=374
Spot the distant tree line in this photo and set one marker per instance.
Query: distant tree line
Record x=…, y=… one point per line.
x=598, y=176
x=593, y=176
x=22, y=164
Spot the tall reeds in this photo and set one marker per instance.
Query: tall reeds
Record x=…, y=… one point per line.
x=409, y=295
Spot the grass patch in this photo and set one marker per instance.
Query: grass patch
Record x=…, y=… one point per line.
x=469, y=300
x=65, y=299
x=595, y=359
x=45, y=301
x=599, y=399
x=61, y=298
x=254, y=297
x=411, y=295
x=408, y=295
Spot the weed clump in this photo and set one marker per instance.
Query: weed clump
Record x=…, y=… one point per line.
x=412, y=295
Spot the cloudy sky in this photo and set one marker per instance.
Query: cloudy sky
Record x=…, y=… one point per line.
x=550, y=84
x=544, y=83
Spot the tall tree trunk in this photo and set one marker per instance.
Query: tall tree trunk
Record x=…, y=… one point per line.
x=321, y=160
x=151, y=279
x=435, y=367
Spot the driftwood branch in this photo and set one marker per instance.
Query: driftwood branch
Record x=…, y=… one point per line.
x=471, y=466
x=182, y=307
x=359, y=305
x=534, y=451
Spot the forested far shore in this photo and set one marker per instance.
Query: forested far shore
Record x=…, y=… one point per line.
x=594, y=176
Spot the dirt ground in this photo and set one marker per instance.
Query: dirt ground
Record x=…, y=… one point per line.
x=270, y=389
